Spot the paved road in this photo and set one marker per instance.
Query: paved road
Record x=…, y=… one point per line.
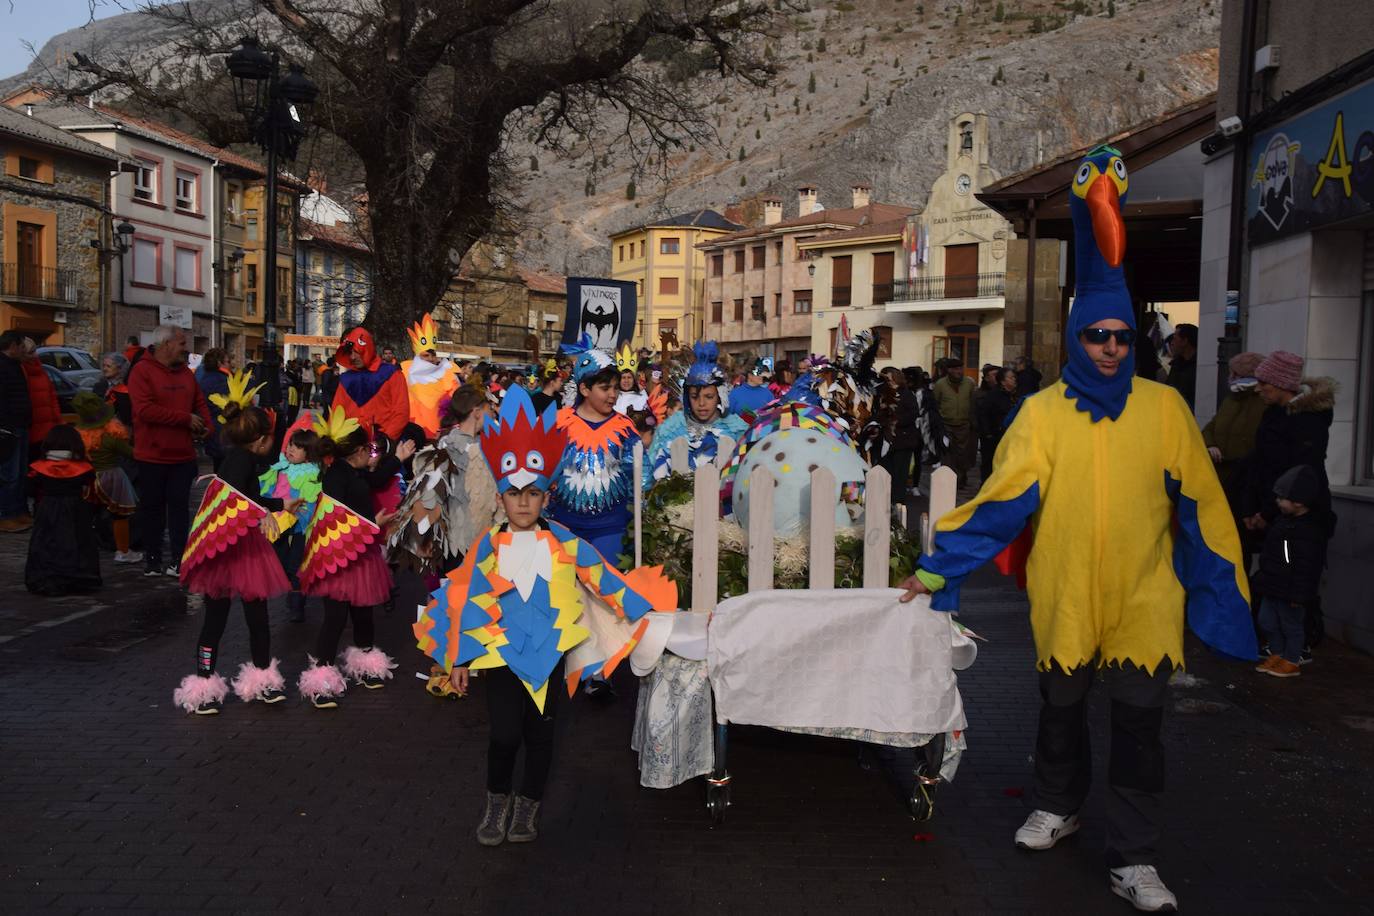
x=113, y=800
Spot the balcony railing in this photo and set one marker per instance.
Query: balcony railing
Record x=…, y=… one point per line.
x=967, y=286
x=504, y=336
x=41, y=284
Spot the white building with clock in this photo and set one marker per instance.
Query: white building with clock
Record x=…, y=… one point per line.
x=946, y=295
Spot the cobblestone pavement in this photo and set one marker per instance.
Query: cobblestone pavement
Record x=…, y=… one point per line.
x=113, y=800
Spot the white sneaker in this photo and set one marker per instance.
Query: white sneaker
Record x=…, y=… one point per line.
x=1043, y=829
x=128, y=556
x=1141, y=885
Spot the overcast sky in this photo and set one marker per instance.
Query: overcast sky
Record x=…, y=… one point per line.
x=38, y=20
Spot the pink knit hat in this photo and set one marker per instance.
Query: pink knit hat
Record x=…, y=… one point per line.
x=1282, y=370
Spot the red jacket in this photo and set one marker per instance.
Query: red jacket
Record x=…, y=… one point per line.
x=43, y=400
x=163, y=401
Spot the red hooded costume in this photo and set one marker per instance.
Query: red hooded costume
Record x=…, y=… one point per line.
x=374, y=395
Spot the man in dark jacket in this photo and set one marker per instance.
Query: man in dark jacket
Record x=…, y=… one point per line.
x=170, y=413
x=1183, y=366
x=16, y=411
x=1027, y=377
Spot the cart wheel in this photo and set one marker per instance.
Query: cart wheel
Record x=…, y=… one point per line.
x=717, y=798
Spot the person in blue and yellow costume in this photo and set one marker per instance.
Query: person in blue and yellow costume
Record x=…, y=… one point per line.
x=596, y=475
x=530, y=604
x=1131, y=536
x=703, y=420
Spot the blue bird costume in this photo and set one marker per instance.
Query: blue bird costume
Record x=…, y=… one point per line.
x=1131, y=529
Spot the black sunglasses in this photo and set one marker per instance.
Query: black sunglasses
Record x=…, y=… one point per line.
x=1124, y=336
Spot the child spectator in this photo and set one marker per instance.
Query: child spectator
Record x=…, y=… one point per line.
x=64, y=554
x=1290, y=567
x=107, y=446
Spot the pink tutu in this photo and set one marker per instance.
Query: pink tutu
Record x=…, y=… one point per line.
x=248, y=570
x=365, y=582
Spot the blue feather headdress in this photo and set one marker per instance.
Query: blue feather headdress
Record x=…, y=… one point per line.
x=587, y=360
x=704, y=369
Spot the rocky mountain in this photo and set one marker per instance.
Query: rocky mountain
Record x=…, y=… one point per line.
x=864, y=94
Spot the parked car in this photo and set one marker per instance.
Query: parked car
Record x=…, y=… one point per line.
x=76, y=365
x=66, y=389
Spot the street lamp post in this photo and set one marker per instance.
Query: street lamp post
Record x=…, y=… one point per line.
x=121, y=240
x=271, y=104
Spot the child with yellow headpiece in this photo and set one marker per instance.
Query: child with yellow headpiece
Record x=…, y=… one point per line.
x=632, y=395
x=229, y=555
x=429, y=377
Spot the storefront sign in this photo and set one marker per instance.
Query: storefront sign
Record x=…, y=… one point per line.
x=1314, y=169
x=176, y=316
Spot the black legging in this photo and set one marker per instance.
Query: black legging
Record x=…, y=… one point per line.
x=336, y=614
x=216, y=616
x=515, y=720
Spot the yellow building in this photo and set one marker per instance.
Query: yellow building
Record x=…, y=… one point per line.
x=255, y=262
x=662, y=259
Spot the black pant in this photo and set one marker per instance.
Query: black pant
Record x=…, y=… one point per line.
x=216, y=616
x=164, y=504
x=897, y=463
x=987, y=447
x=515, y=720
x=1135, y=772
x=336, y=614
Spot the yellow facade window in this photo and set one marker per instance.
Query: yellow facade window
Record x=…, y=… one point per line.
x=669, y=246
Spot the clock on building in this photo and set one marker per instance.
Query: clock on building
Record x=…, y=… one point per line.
x=962, y=184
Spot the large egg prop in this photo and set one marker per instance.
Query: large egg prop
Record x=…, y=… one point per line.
x=790, y=455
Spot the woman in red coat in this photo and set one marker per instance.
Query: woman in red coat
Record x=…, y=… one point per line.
x=42, y=394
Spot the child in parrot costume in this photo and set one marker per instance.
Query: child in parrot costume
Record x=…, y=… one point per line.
x=369, y=390
x=344, y=566
x=537, y=607
x=430, y=379
x=229, y=555
x=1131, y=535
x=295, y=475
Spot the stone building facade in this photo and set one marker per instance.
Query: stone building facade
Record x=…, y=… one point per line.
x=54, y=203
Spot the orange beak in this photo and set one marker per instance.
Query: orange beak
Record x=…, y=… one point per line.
x=1104, y=205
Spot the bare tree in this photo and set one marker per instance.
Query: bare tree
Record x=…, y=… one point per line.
x=426, y=100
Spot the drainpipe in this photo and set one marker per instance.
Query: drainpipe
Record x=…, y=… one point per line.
x=216, y=257
x=1229, y=344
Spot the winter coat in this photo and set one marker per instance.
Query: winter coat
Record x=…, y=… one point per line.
x=1290, y=565
x=1028, y=381
x=1287, y=436
x=16, y=410
x=1130, y=527
x=1182, y=378
x=991, y=408
x=164, y=399
x=213, y=381
x=955, y=402
x=1233, y=428
x=242, y=470
x=43, y=398
x=905, y=432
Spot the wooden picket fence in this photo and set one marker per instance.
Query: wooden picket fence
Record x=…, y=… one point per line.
x=877, y=532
